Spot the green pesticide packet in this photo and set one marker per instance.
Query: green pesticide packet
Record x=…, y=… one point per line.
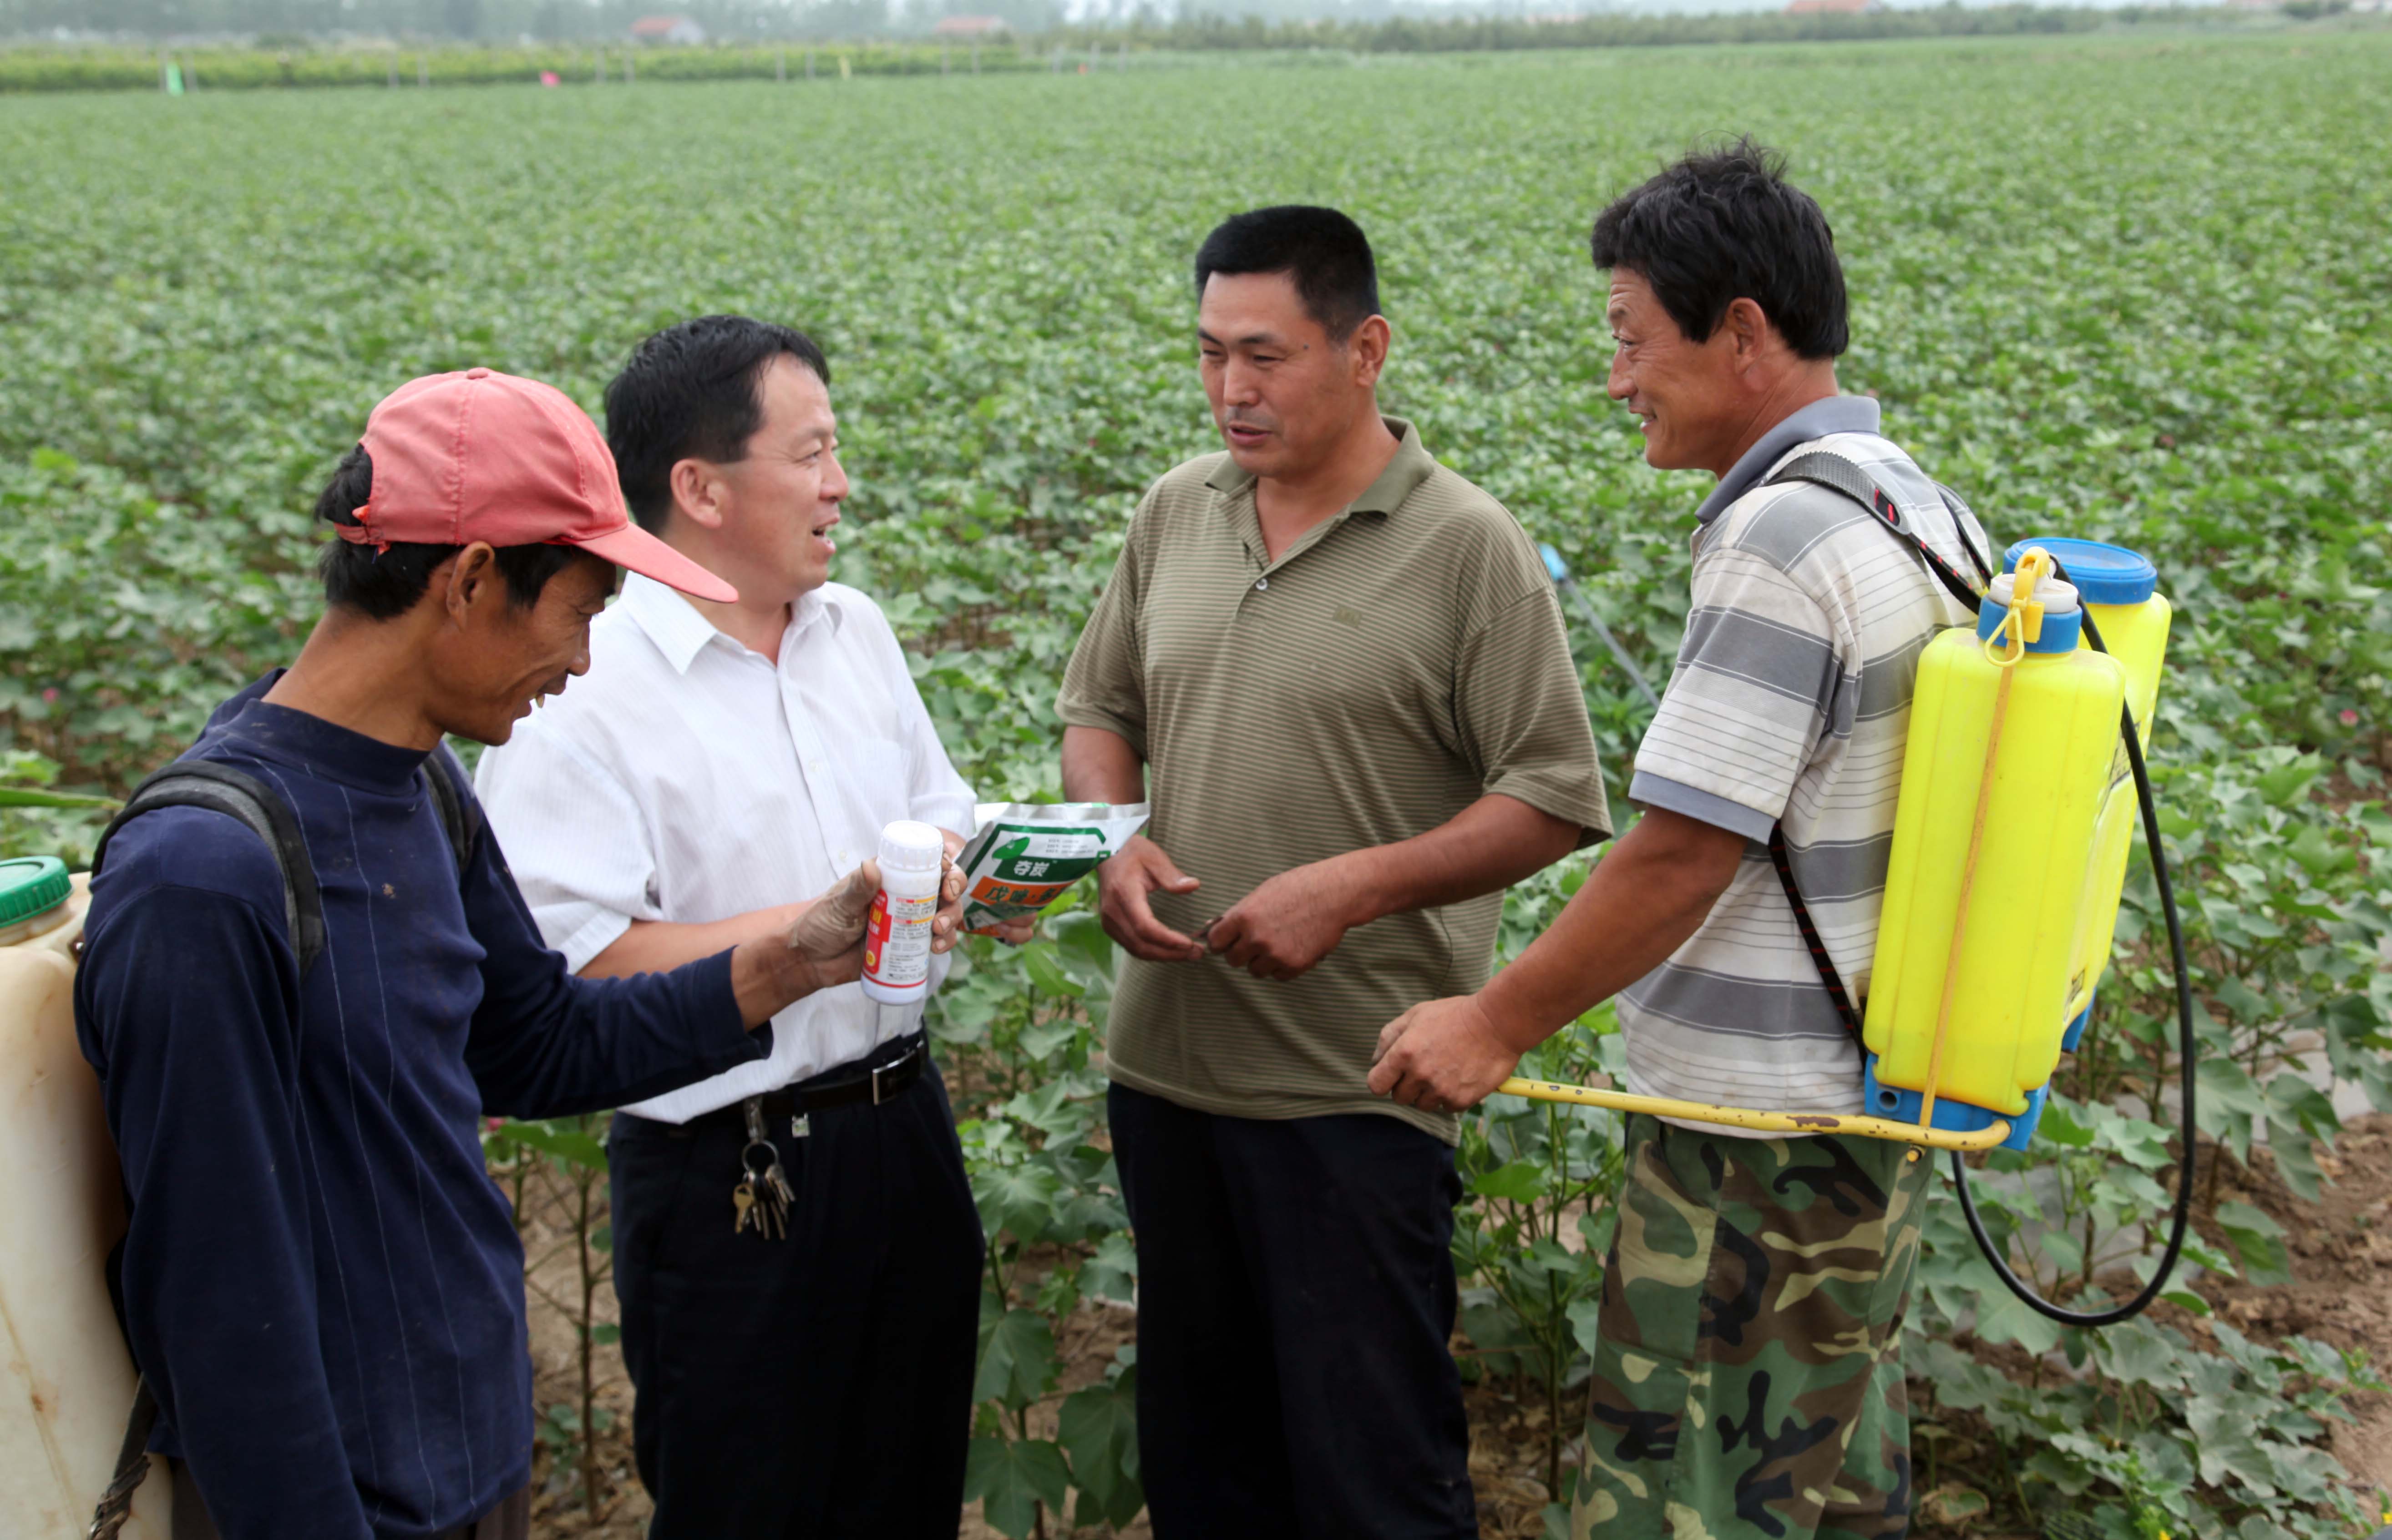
x=1023, y=855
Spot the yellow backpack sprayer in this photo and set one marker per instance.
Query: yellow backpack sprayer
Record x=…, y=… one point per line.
x=2022, y=775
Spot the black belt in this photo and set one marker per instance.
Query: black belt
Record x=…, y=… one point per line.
x=876, y=1078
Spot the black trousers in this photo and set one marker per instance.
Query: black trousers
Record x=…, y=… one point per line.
x=815, y=1386
x=1296, y=1299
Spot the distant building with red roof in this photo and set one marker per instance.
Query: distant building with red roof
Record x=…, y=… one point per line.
x=667, y=29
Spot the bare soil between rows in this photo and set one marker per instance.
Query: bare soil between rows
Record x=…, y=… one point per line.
x=2341, y=1294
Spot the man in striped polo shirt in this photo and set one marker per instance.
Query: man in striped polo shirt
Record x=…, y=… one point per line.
x=1747, y=1379
x=1344, y=667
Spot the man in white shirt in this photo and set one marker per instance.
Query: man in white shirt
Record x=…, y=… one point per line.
x=806, y=1374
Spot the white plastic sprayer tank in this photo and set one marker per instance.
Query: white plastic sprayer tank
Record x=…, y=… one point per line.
x=68, y=1380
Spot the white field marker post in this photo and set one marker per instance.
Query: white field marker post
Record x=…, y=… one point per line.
x=809, y=64
x=394, y=71
x=780, y=67
x=630, y=68
x=423, y=72
x=975, y=55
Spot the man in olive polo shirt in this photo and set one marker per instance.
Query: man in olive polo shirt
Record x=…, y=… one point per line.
x=1344, y=667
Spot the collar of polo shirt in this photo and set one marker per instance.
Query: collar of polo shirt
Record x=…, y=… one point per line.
x=1405, y=472
x=680, y=632
x=1836, y=414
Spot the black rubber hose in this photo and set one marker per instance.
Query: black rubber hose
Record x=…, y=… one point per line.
x=2182, y=1220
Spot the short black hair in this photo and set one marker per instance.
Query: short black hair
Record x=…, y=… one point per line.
x=1324, y=252
x=1723, y=224
x=691, y=392
x=387, y=583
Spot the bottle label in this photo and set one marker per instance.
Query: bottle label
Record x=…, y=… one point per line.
x=897, y=940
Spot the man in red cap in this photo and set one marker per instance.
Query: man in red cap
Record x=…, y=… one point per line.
x=308, y=975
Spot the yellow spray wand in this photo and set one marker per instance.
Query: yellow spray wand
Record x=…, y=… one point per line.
x=1762, y=1122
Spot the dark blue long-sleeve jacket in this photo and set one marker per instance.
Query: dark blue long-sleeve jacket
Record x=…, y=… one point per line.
x=322, y=1282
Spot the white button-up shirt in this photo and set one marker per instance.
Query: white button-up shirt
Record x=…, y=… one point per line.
x=689, y=780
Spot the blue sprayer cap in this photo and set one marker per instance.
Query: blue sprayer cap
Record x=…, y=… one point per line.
x=2063, y=617
x=2103, y=574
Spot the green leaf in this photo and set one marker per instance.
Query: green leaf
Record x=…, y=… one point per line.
x=1080, y=940
x=1520, y=1180
x=1012, y=1477
x=1017, y=1199
x=2004, y=1317
x=2228, y=1448
x=27, y=797
x=1059, y=1292
x=1583, y=1313
x=1017, y=1356
x=569, y=1145
x=2318, y=855
x=2289, y=782
x=2135, y=1352
x=1111, y=1274
x=2228, y=1102
x=2061, y=1126
x=1039, y=959
x=2296, y=1159
x=1098, y=1429
x=2258, y=1240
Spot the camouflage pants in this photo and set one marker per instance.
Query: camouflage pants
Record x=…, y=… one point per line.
x=1747, y=1380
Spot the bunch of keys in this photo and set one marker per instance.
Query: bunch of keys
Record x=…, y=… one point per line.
x=762, y=1197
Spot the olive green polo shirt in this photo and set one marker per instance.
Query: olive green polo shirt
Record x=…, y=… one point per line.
x=1397, y=663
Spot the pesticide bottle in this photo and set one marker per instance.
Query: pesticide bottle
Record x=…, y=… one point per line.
x=897, y=939
x=2004, y=772
x=2120, y=591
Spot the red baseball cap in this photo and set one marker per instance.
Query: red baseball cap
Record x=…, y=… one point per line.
x=483, y=456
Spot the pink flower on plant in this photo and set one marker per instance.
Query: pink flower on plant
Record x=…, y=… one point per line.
x=2350, y=718
x=50, y=695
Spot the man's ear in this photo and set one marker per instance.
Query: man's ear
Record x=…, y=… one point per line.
x=1369, y=347
x=472, y=579
x=696, y=492
x=1749, y=333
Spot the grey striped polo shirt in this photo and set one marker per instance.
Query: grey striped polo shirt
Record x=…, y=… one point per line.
x=1790, y=701
x=1397, y=663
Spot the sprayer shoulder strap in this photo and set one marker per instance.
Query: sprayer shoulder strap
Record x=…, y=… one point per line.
x=246, y=799
x=242, y=797
x=1839, y=475
x=1837, y=994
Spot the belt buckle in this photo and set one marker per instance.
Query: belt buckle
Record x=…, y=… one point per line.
x=892, y=1068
